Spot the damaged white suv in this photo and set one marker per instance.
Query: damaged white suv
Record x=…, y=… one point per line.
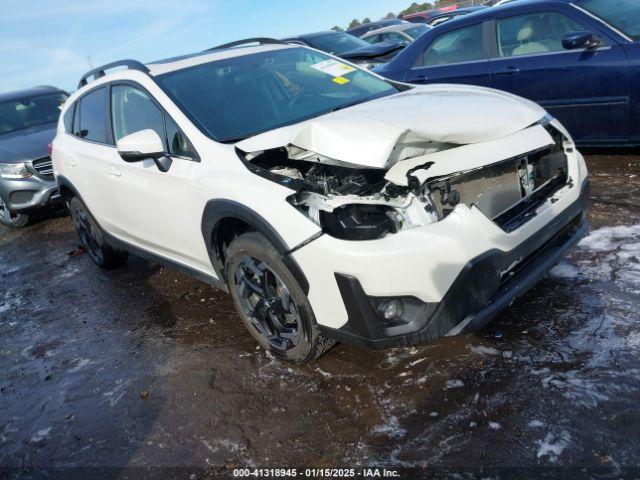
x=332, y=204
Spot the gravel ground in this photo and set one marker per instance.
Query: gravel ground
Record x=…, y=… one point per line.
x=146, y=367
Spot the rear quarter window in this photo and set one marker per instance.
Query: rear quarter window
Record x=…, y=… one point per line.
x=67, y=119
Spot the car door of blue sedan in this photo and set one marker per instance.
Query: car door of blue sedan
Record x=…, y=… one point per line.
x=455, y=56
x=588, y=90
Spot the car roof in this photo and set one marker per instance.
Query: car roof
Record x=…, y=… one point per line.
x=384, y=21
x=29, y=92
x=305, y=36
x=393, y=28
x=487, y=13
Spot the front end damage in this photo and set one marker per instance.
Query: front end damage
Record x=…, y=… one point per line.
x=351, y=202
x=440, y=238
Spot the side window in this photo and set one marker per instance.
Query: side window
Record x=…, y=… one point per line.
x=177, y=142
x=533, y=33
x=132, y=110
x=93, y=116
x=67, y=120
x=457, y=46
x=372, y=39
x=394, y=37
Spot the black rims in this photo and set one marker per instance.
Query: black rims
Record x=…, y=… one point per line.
x=267, y=303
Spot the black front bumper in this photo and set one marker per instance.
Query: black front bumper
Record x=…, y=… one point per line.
x=486, y=285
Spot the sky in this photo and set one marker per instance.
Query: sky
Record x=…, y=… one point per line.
x=54, y=42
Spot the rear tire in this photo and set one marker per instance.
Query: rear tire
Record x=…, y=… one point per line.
x=10, y=219
x=92, y=239
x=270, y=302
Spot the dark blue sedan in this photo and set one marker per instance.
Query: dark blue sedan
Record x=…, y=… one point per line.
x=579, y=59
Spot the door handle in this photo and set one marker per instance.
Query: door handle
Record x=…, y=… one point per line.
x=508, y=71
x=420, y=78
x=114, y=172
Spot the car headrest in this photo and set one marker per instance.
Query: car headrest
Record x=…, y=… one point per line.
x=526, y=31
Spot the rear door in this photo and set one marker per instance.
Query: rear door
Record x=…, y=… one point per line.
x=156, y=211
x=89, y=156
x=455, y=56
x=587, y=90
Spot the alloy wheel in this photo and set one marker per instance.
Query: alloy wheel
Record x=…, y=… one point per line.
x=266, y=301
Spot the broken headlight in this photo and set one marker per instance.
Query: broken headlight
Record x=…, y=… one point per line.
x=362, y=218
x=360, y=222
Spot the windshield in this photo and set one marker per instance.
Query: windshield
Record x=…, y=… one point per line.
x=415, y=32
x=238, y=97
x=30, y=112
x=336, y=43
x=622, y=14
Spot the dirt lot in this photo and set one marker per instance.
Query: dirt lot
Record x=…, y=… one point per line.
x=147, y=367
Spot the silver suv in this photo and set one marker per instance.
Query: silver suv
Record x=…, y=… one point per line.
x=28, y=120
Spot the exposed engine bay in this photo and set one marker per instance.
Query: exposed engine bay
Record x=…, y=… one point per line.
x=354, y=203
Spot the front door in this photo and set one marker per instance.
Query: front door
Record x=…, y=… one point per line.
x=587, y=90
x=156, y=211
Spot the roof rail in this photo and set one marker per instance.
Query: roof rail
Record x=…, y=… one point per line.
x=100, y=71
x=246, y=41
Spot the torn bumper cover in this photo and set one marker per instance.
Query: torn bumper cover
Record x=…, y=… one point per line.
x=484, y=288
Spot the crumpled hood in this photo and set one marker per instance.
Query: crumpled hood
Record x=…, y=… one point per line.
x=25, y=145
x=365, y=135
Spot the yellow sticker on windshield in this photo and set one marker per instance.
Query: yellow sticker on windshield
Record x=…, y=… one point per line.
x=340, y=80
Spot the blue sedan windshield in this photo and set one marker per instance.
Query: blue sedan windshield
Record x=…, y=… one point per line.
x=235, y=98
x=621, y=14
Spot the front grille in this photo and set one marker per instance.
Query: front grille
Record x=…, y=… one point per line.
x=508, y=192
x=43, y=167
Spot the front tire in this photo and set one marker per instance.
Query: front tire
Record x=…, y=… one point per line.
x=270, y=302
x=10, y=219
x=92, y=239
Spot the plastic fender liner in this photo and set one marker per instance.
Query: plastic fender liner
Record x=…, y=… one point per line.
x=219, y=209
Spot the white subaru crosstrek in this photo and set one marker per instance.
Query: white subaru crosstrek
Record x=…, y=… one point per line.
x=332, y=204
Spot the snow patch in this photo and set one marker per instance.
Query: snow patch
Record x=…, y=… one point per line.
x=482, y=350
x=495, y=426
x=553, y=445
x=40, y=435
x=608, y=238
x=536, y=424
x=455, y=383
x=391, y=428
x=565, y=270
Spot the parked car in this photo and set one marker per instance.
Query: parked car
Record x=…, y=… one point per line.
x=403, y=33
x=445, y=17
x=367, y=27
x=332, y=204
x=576, y=58
x=349, y=47
x=28, y=120
x=422, y=17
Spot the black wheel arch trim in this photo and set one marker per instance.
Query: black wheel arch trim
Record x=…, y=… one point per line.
x=220, y=209
x=116, y=242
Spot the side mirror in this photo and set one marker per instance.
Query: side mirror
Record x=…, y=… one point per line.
x=580, y=40
x=144, y=145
